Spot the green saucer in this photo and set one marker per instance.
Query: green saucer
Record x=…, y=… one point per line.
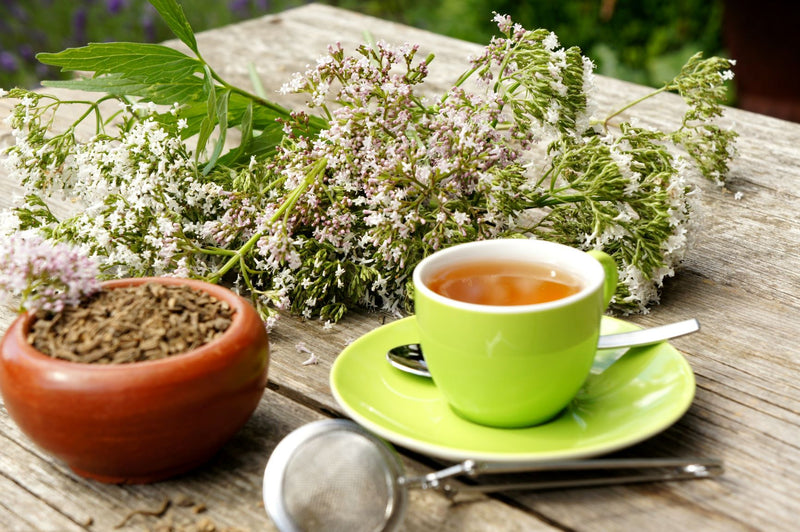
x=640, y=395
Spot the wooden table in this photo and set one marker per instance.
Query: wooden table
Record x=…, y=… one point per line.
x=741, y=280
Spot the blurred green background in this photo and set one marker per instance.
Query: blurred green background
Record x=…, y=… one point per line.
x=645, y=41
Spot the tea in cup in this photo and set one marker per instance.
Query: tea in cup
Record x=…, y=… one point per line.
x=509, y=327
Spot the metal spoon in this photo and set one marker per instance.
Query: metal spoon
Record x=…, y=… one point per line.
x=409, y=357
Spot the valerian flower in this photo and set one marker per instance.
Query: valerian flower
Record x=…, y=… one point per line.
x=334, y=205
x=43, y=275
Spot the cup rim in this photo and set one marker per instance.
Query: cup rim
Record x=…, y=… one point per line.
x=591, y=272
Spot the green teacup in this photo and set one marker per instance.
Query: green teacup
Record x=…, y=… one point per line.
x=500, y=353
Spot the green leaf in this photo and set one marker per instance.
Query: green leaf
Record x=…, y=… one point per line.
x=172, y=13
x=262, y=146
x=184, y=91
x=210, y=120
x=247, y=135
x=256, y=81
x=195, y=113
x=146, y=63
x=222, y=117
x=36, y=214
x=247, y=124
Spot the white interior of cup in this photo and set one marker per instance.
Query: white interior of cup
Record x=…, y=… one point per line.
x=574, y=262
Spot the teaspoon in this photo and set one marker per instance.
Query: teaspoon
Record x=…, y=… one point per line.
x=409, y=357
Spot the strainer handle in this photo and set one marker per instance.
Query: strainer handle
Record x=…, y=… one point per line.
x=656, y=469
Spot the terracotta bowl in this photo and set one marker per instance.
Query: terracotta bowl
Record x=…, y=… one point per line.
x=143, y=421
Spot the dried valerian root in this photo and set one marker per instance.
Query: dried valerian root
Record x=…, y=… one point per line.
x=161, y=510
x=171, y=516
x=131, y=324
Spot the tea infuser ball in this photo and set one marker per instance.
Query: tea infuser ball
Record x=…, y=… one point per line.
x=334, y=475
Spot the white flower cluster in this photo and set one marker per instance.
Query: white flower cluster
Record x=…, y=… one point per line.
x=138, y=194
x=339, y=210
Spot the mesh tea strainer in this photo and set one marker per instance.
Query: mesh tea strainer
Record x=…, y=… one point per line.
x=334, y=475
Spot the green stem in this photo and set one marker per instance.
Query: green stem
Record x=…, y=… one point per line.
x=315, y=121
x=463, y=78
x=26, y=293
x=503, y=66
x=552, y=201
x=245, y=274
x=92, y=107
x=545, y=176
x=631, y=104
x=214, y=251
x=234, y=260
x=284, y=210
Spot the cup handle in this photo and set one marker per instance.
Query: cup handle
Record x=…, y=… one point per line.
x=610, y=267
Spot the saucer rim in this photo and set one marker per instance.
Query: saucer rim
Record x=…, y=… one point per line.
x=449, y=452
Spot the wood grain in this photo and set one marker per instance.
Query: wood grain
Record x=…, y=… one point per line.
x=741, y=280
x=39, y=493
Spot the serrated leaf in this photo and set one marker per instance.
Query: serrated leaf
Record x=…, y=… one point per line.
x=142, y=62
x=183, y=91
x=173, y=15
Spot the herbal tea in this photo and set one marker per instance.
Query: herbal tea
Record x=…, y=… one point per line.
x=491, y=282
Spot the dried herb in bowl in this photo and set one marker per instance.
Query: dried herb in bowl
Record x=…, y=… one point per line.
x=131, y=324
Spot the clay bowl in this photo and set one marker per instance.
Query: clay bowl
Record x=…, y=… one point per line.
x=144, y=421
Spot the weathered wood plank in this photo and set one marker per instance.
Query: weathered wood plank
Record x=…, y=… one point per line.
x=40, y=493
x=740, y=279
x=21, y=511
x=231, y=493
